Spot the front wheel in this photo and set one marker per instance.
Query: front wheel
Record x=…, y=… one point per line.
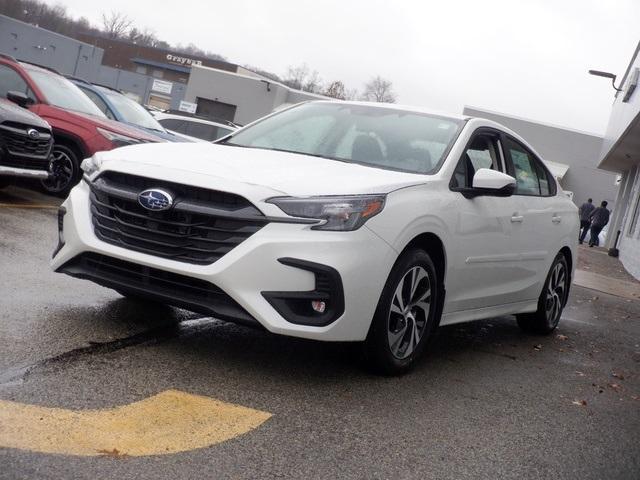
x=406, y=315
x=551, y=301
x=64, y=171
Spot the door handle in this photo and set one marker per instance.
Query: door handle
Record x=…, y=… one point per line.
x=515, y=218
x=556, y=219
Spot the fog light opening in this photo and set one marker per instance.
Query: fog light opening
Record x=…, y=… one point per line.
x=318, y=306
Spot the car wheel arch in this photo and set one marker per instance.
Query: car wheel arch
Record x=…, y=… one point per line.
x=566, y=251
x=70, y=141
x=433, y=245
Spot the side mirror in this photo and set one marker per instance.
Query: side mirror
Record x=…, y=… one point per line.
x=19, y=98
x=491, y=183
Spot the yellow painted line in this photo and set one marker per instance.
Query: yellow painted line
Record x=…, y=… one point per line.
x=169, y=422
x=24, y=205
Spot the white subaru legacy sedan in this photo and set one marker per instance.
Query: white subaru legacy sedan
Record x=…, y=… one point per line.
x=335, y=221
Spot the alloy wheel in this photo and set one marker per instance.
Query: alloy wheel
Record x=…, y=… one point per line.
x=409, y=312
x=555, y=293
x=61, y=171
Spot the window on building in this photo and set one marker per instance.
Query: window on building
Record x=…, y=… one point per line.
x=141, y=69
x=157, y=73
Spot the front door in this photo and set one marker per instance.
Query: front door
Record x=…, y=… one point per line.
x=488, y=271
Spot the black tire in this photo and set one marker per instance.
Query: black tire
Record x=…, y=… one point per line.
x=5, y=182
x=389, y=347
x=64, y=167
x=551, y=301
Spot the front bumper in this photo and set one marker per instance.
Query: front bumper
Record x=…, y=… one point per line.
x=23, y=172
x=361, y=259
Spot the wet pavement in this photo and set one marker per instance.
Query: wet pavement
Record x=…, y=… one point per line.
x=486, y=402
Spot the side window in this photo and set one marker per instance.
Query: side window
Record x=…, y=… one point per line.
x=174, y=124
x=547, y=182
x=525, y=170
x=95, y=98
x=203, y=131
x=11, y=80
x=222, y=132
x=482, y=152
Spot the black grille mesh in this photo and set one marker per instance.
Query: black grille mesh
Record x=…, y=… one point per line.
x=202, y=226
x=25, y=152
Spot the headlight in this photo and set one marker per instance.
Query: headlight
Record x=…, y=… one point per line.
x=344, y=213
x=91, y=165
x=117, y=139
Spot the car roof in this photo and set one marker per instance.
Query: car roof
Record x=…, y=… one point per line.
x=396, y=106
x=163, y=115
x=39, y=68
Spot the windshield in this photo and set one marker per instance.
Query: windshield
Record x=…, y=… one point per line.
x=131, y=111
x=62, y=93
x=376, y=136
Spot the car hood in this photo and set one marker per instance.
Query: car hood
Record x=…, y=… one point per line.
x=10, y=112
x=278, y=172
x=112, y=125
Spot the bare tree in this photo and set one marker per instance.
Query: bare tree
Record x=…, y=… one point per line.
x=351, y=94
x=116, y=24
x=295, y=76
x=379, y=90
x=336, y=90
x=302, y=78
x=144, y=37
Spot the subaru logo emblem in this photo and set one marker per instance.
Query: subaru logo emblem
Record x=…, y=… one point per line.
x=33, y=133
x=155, y=199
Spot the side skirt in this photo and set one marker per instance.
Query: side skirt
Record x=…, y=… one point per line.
x=489, y=312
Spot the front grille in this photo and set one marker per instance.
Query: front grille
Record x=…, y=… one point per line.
x=167, y=287
x=200, y=227
x=24, y=151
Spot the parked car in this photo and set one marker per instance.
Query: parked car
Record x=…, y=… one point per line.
x=121, y=108
x=25, y=142
x=336, y=221
x=80, y=129
x=194, y=127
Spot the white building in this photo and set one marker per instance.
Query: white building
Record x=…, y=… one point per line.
x=621, y=154
x=239, y=97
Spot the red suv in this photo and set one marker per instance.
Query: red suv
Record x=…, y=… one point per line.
x=79, y=128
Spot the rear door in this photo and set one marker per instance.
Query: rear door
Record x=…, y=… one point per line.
x=540, y=218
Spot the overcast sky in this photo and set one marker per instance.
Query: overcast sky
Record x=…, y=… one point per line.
x=527, y=58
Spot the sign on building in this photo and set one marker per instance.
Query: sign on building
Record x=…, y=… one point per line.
x=161, y=86
x=187, y=107
x=182, y=60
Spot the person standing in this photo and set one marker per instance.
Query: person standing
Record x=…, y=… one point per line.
x=585, y=211
x=599, y=218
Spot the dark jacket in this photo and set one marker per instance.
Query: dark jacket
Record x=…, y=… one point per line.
x=586, y=209
x=600, y=217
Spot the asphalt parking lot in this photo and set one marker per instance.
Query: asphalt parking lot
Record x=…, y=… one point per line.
x=487, y=401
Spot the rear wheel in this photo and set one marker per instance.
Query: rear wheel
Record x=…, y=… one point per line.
x=406, y=315
x=64, y=171
x=551, y=301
